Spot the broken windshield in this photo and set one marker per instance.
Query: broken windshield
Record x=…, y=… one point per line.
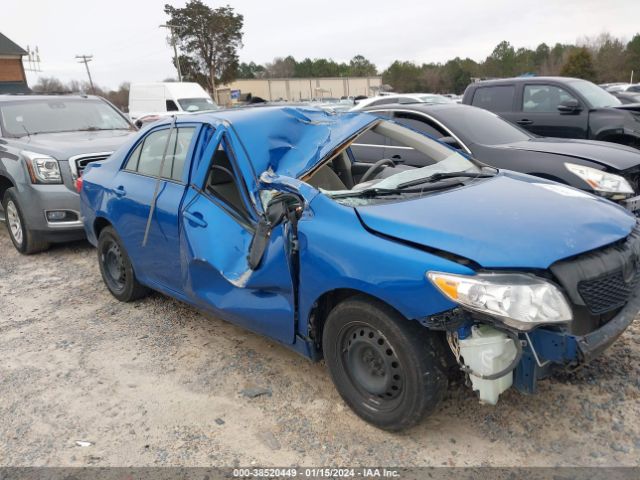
x=390, y=160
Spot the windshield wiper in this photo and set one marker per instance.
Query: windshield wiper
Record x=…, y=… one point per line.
x=378, y=192
x=442, y=176
x=98, y=129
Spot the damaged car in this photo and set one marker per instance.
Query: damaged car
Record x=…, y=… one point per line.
x=395, y=275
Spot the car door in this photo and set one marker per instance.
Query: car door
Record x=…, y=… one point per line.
x=158, y=261
x=540, y=115
x=219, y=224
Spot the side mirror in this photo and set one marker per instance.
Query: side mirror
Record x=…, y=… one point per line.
x=569, y=106
x=452, y=142
x=281, y=207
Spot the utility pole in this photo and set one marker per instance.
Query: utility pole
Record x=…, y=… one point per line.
x=86, y=59
x=172, y=28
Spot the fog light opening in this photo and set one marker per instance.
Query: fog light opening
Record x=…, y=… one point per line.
x=61, y=216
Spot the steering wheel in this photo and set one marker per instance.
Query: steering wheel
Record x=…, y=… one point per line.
x=375, y=167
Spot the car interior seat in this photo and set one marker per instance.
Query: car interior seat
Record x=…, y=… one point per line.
x=221, y=181
x=326, y=179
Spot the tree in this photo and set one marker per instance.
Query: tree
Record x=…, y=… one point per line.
x=50, y=85
x=403, y=76
x=361, y=67
x=579, y=65
x=502, y=61
x=210, y=38
x=251, y=70
x=633, y=56
x=281, y=67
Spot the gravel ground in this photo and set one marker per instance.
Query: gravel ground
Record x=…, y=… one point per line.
x=157, y=383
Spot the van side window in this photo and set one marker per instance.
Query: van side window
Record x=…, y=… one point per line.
x=496, y=99
x=146, y=158
x=222, y=181
x=171, y=106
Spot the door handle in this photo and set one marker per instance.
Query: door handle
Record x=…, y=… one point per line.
x=524, y=121
x=196, y=219
x=120, y=191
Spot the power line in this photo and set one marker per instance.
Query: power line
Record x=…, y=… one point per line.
x=86, y=59
x=172, y=28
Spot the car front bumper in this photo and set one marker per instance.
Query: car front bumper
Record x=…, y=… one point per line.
x=36, y=200
x=545, y=349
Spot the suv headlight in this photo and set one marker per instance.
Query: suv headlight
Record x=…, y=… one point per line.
x=600, y=181
x=521, y=301
x=42, y=168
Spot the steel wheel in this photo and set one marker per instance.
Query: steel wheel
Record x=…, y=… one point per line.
x=387, y=368
x=116, y=268
x=113, y=266
x=13, y=220
x=372, y=365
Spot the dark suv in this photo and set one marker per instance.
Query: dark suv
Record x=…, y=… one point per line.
x=559, y=107
x=45, y=143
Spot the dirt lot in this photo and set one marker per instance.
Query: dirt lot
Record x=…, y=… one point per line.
x=157, y=383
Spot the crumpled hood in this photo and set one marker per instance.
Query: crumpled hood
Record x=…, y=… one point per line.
x=291, y=140
x=508, y=221
x=67, y=144
x=607, y=154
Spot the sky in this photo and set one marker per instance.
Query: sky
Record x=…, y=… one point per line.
x=127, y=44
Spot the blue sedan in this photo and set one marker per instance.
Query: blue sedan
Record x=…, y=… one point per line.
x=395, y=275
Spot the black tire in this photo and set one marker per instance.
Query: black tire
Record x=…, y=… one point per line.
x=116, y=268
x=24, y=239
x=391, y=371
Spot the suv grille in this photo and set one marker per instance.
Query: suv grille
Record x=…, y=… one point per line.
x=80, y=162
x=607, y=292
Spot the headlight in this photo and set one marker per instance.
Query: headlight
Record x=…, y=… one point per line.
x=600, y=181
x=42, y=168
x=519, y=300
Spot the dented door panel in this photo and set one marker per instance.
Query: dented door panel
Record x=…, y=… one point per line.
x=215, y=247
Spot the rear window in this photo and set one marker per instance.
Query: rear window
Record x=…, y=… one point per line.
x=496, y=99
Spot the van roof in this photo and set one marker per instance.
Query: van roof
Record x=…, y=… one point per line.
x=178, y=89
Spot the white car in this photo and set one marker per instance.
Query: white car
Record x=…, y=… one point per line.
x=401, y=98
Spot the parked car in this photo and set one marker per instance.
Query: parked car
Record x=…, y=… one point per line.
x=606, y=169
x=559, y=107
x=615, y=87
x=628, y=97
x=400, y=98
x=621, y=87
x=46, y=141
x=167, y=98
x=266, y=218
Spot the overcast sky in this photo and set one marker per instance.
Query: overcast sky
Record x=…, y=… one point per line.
x=128, y=45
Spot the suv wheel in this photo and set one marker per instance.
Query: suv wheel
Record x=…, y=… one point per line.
x=116, y=268
x=391, y=371
x=26, y=241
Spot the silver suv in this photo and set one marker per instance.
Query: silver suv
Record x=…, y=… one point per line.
x=45, y=143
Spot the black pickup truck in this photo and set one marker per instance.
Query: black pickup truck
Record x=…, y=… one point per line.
x=559, y=107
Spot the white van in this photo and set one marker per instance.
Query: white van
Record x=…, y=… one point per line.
x=164, y=98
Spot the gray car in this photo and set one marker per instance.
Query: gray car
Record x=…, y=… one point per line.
x=45, y=143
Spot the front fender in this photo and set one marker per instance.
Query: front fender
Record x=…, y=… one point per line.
x=337, y=252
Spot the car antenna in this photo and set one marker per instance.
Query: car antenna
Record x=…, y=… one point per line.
x=158, y=178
